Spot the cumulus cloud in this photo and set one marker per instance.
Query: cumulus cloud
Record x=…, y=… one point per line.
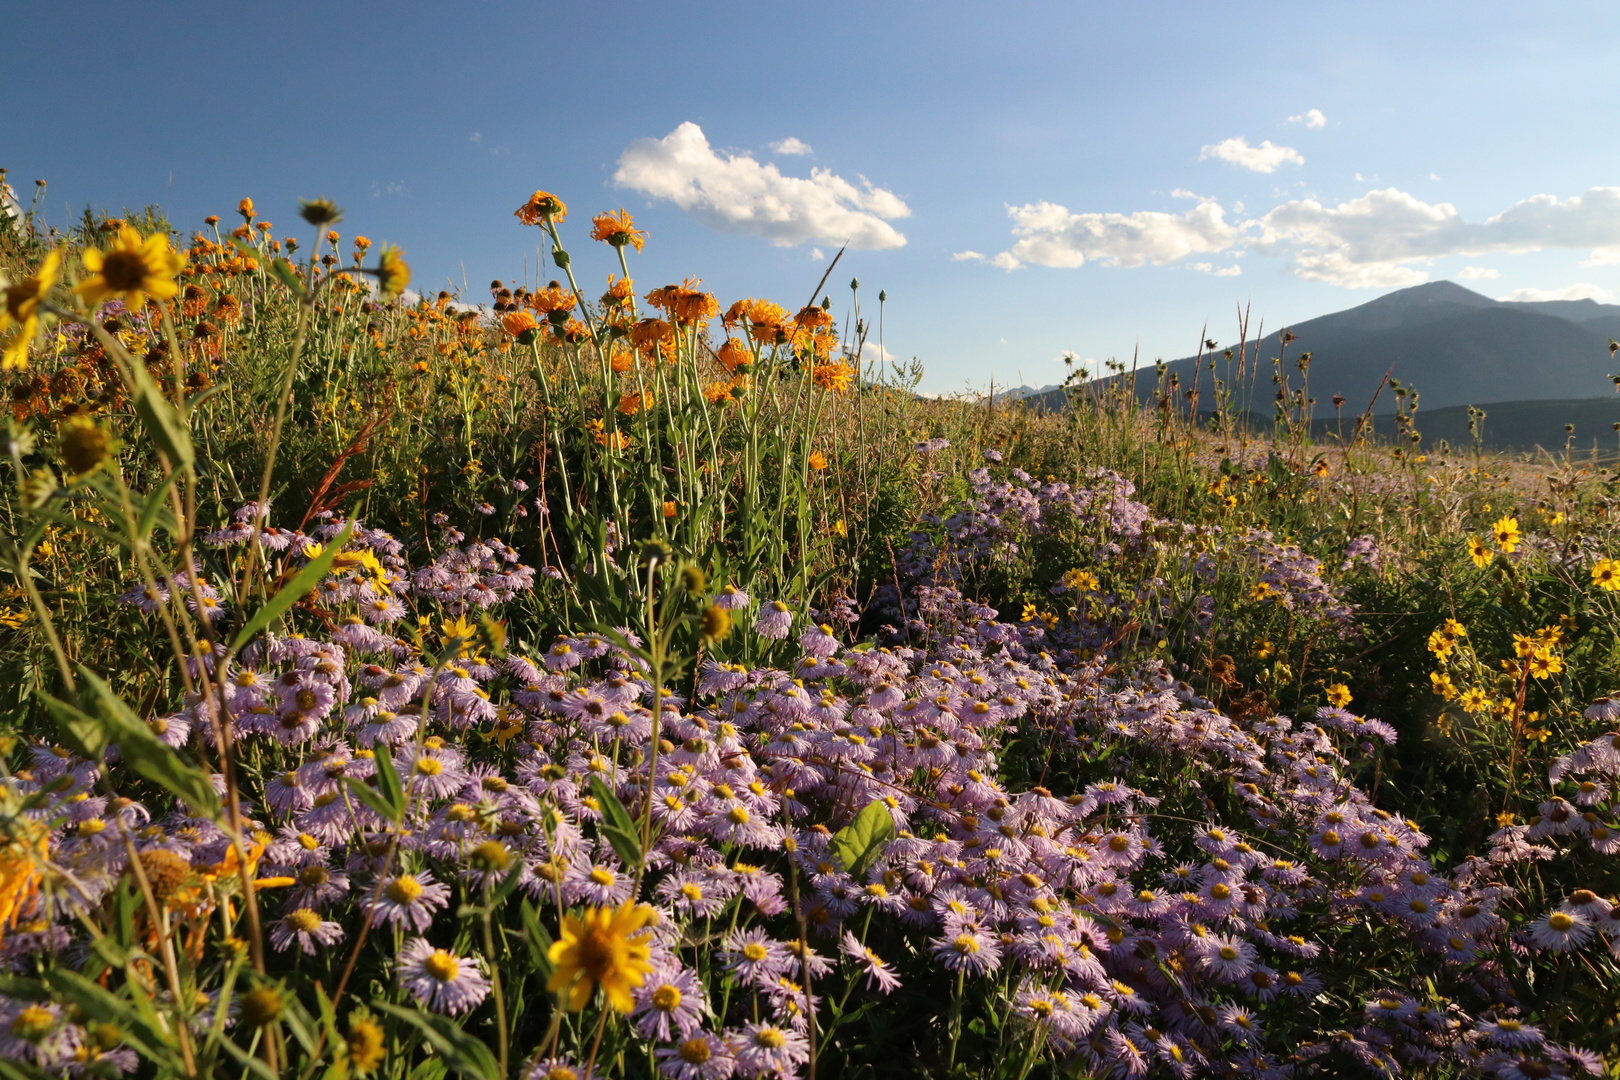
x=1311, y=118
x=873, y=353
x=1218, y=271
x=965, y=256
x=1371, y=241
x=735, y=193
x=1384, y=239
x=791, y=147
x=1581, y=291
x=1264, y=158
x=1049, y=235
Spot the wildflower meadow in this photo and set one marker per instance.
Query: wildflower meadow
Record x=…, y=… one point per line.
x=594, y=678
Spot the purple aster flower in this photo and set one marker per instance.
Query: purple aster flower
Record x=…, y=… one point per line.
x=971, y=949
x=765, y=1050
x=304, y=926
x=440, y=980
x=731, y=598
x=1511, y=1033
x=701, y=1057
x=869, y=962
x=774, y=620
x=669, y=998
x=409, y=899
x=754, y=958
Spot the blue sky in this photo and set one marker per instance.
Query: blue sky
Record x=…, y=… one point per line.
x=1025, y=178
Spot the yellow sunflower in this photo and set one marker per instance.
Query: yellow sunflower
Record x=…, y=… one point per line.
x=1506, y=532
x=608, y=948
x=20, y=311
x=1605, y=575
x=131, y=270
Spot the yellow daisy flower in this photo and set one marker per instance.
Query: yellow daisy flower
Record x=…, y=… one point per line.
x=608, y=948
x=20, y=310
x=131, y=270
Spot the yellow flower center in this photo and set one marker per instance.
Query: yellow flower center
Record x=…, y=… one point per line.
x=754, y=951
x=695, y=1051
x=304, y=921
x=403, y=890
x=442, y=966
x=770, y=1038
x=666, y=998
x=1560, y=922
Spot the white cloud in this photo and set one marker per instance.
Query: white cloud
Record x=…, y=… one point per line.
x=873, y=353
x=1262, y=159
x=1222, y=271
x=816, y=255
x=477, y=137
x=735, y=193
x=1582, y=291
x=1386, y=238
x=964, y=256
x=1311, y=118
x=1434, y=176
x=1370, y=241
x=1049, y=235
x=1183, y=193
x=791, y=147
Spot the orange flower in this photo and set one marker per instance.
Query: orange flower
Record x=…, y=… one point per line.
x=552, y=298
x=684, y=303
x=669, y=509
x=619, y=292
x=765, y=319
x=813, y=318
x=21, y=857
x=648, y=334
x=617, y=229
x=518, y=322
x=630, y=404
x=573, y=332
x=834, y=376
x=542, y=205
x=734, y=354
x=245, y=208
x=818, y=460
x=716, y=392
x=622, y=362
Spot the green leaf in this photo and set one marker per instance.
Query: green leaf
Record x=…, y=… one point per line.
x=107, y=1007
x=389, y=785
x=160, y=418
x=537, y=938
x=466, y=1055
x=617, y=824
x=371, y=797
x=303, y=582
x=157, y=507
x=146, y=753
x=284, y=273
x=81, y=734
x=860, y=842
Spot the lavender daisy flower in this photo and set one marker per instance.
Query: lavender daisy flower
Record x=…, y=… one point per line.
x=775, y=618
x=558, y=1068
x=1510, y=1033
x=1560, y=931
x=411, y=899
x=765, y=1049
x=440, y=980
x=305, y=927
x=701, y=1057
x=869, y=962
x=972, y=950
x=668, y=999
x=731, y=598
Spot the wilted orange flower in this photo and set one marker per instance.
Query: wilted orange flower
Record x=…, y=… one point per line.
x=619, y=291
x=818, y=460
x=684, y=303
x=632, y=403
x=131, y=269
x=834, y=376
x=617, y=229
x=648, y=333
x=517, y=322
x=573, y=332
x=541, y=205
x=813, y=318
x=734, y=354
x=765, y=319
x=552, y=298
x=622, y=362
x=228, y=309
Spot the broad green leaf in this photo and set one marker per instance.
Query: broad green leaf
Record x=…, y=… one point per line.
x=149, y=755
x=537, y=938
x=83, y=735
x=389, y=785
x=160, y=418
x=462, y=1052
x=372, y=798
x=860, y=842
x=617, y=824
x=302, y=583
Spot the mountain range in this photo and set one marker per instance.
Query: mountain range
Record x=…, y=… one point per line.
x=1533, y=366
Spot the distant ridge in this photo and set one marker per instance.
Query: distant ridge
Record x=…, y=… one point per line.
x=1457, y=347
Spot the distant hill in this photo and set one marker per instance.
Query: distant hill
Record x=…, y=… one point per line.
x=1456, y=347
